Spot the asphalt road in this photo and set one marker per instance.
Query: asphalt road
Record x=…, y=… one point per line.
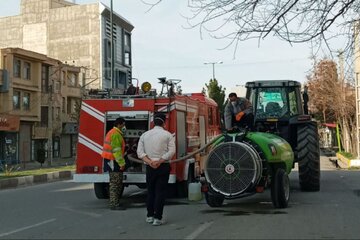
x=68, y=210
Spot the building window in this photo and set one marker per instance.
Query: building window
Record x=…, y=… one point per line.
x=73, y=105
x=127, y=58
x=27, y=70
x=16, y=100
x=57, y=113
x=44, y=117
x=72, y=77
x=62, y=76
x=57, y=87
x=56, y=147
x=127, y=40
x=45, y=72
x=26, y=101
x=108, y=49
x=108, y=70
x=63, y=105
x=69, y=106
x=83, y=80
x=17, y=68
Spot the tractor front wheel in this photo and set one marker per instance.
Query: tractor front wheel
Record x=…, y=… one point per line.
x=280, y=189
x=214, y=199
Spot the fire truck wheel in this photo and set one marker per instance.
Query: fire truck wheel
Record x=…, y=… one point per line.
x=101, y=190
x=171, y=191
x=141, y=186
x=183, y=186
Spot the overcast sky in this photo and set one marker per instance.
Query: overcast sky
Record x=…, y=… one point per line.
x=162, y=47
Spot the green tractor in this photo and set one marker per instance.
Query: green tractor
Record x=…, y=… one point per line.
x=243, y=163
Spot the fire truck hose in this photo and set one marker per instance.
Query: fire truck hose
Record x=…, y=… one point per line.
x=132, y=158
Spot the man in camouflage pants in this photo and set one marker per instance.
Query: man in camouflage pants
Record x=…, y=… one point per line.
x=113, y=153
x=115, y=189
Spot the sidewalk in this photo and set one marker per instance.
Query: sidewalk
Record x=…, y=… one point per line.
x=22, y=181
x=61, y=162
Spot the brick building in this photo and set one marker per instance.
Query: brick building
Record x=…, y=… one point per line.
x=76, y=34
x=39, y=102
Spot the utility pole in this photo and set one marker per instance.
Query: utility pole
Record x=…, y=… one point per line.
x=213, y=67
x=357, y=84
x=112, y=45
x=346, y=133
x=50, y=122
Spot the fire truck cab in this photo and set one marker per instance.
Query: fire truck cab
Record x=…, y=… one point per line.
x=192, y=118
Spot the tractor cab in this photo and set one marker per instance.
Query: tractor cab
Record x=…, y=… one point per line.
x=275, y=99
x=281, y=109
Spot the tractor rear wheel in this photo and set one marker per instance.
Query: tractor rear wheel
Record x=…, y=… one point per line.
x=280, y=189
x=214, y=199
x=308, y=157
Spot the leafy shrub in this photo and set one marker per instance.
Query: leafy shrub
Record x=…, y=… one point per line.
x=8, y=170
x=347, y=155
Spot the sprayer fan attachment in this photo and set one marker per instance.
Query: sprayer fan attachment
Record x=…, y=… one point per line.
x=232, y=168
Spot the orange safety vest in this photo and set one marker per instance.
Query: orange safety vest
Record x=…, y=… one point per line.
x=107, y=148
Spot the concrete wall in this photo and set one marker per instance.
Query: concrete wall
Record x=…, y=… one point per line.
x=11, y=32
x=74, y=36
x=69, y=32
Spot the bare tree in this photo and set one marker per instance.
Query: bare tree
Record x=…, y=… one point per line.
x=335, y=100
x=294, y=21
x=321, y=89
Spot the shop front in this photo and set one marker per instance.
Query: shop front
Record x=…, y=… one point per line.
x=69, y=140
x=9, y=139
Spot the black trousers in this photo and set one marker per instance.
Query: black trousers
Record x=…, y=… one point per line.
x=246, y=121
x=156, y=181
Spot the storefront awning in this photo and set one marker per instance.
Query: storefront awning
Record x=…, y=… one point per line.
x=9, y=123
x=331, y=125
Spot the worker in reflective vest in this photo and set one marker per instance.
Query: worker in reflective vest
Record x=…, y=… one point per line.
x=113, y=153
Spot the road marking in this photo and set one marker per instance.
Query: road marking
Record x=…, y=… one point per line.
x=28, y=227
x=199, y=230
x=80, y=212
x=76, y=188
x=137, y=193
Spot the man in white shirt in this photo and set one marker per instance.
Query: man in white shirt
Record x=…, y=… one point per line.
x=156, y=147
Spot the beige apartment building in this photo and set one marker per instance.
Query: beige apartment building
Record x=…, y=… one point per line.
x=79, y=35
x=39, y=106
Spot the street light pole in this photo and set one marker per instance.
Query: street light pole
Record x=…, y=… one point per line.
x=213, y=66
x=112, y=45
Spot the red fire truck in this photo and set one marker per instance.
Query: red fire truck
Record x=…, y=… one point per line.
x=192, y=118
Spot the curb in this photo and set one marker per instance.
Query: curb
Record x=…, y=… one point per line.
x=347, y=163
x=36, y=179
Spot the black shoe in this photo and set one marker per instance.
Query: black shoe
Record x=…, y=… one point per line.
x=118, y=208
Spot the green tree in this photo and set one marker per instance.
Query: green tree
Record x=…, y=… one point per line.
x=217, y=93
